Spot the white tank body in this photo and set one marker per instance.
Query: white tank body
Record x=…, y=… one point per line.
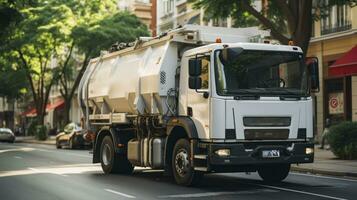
x=133, y=83
x=136, y=80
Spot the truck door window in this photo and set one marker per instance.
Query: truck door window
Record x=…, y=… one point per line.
x=204, y=72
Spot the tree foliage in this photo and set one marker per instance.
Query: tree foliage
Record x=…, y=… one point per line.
x=48, y=42
x=286, y=19
x=91, y=36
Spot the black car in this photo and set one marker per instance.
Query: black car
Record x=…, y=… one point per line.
x=72, y=136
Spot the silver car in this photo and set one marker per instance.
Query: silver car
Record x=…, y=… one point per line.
x=6, y=135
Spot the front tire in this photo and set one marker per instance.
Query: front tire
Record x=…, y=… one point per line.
x=112, y=162
x=182, y=171
x=274, y=173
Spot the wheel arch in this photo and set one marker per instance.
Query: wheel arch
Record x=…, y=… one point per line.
x=104, y=131
x=178, y=127
x=113, y=132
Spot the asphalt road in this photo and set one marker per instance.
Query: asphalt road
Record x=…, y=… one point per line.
x=30, y=171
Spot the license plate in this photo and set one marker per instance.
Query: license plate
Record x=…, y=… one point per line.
x=270, y=153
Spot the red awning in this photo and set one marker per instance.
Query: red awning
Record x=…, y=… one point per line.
x=57, y=104
x=346, y=65
x=32, y=112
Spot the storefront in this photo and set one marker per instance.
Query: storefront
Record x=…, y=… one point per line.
x=340, y=89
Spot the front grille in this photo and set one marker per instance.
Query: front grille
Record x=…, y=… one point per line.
x=266, y=134
x=267, y=121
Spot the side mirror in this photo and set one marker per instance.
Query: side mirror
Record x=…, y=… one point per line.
x=195, y=82
x=313, y=68
x=194, y=67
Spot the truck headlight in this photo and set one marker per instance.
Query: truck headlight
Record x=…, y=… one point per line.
x=223, y=152
x=309, y=150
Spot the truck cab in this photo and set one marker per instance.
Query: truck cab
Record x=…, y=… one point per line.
x=251, y=105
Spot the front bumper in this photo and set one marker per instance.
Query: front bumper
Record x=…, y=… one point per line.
x=248, y=156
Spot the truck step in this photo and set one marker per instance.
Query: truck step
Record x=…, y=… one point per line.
x=202, y=169
x=202, y=157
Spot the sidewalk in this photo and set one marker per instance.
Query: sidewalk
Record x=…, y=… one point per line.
x=51, y=140
x=326, y=163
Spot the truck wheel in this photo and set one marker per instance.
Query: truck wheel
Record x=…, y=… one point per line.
x=112, y=162
x=274, y=173
x=182, y=171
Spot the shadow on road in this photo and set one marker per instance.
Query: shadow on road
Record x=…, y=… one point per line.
x=147, y=179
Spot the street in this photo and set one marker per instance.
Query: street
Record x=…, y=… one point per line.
x=34, y=171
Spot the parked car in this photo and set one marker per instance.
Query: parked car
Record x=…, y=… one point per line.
x=6, y=135
x=72, y=136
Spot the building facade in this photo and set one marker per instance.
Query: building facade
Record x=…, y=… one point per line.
x=174, y=13
x=142, y=9
x=334, y=43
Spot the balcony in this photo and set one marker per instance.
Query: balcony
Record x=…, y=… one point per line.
x=334, y=29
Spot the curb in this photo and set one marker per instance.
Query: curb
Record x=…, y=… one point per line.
x=323, y=172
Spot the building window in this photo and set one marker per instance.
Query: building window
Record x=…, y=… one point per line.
x=168, y=6
x=220, y=22
x=337, y=18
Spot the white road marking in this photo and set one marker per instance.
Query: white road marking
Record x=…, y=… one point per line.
x=18, y=157
x=211, y=194
x=120, y=193
x=298, y=191
x=326, y=177
x=41, y=149
x=24, y=149
x=62, y=170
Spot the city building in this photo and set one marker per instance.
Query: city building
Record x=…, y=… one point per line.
x=7, y=110
x=334, y=43
x=175, y=13
x=143, y=9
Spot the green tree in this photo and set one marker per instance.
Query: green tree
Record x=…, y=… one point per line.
x=10, y=15
x=36, y=41
x=286, y=19
x=98, y=26
x=90, y=39
x=12, y=78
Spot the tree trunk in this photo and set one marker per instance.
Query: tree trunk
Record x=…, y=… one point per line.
x=67, y=109
x=302, y=34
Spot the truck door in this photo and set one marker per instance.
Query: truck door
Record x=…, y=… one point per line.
x=198, y=101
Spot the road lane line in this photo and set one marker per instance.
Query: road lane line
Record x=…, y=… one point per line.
x=24, y=149
x=18, y=157
x=20, y=148
x=121, y=194
x=326, y=177
x=298, y=191
x=211, y=194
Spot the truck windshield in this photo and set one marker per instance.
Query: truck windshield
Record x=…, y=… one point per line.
x=258, y=72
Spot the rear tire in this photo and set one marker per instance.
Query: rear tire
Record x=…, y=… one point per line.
x=112, y=162
x=274, y=173
x=182, y=171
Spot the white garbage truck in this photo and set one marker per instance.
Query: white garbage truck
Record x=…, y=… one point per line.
x=198, y=100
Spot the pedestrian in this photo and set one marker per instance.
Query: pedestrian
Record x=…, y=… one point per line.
x=325, y=133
